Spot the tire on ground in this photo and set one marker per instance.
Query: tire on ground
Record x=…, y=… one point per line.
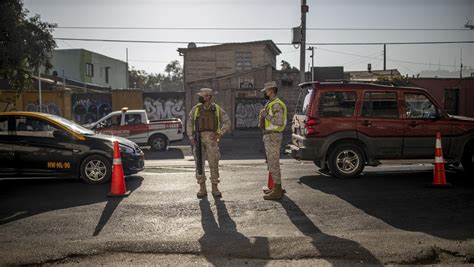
x=158, y=142
x=346, y=160
x=96, y=169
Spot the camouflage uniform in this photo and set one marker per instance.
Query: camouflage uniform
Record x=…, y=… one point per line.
x=272, y=141
x=209, y=147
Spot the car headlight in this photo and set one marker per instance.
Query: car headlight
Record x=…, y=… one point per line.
x=126, y=149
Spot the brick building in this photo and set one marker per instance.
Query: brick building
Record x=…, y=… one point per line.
x=237, y=72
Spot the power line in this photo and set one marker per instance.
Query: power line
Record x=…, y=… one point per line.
x=217, y=43
x=252, y=28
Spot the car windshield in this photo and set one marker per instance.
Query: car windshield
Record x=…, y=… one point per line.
x=70, y=125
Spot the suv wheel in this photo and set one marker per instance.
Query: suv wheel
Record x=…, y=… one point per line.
x=346, y=161
x=468, y=161
x=96, y=169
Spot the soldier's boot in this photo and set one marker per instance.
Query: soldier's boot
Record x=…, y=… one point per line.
x=276, y=194
x=202, y=190
x=215, y=191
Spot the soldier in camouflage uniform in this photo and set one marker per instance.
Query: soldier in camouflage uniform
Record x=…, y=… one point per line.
x=272, y=121
x=213, y=122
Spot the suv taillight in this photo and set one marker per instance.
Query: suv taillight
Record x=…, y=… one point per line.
x=310, y=126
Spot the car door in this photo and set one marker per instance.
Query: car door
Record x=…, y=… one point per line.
x=380, y=123
x=110, y=125
x=420, y=125
x=7, y=160
x=41, y=148
x=134, y=128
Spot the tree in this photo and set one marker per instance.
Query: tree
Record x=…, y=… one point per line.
x=285, y=65
x=174, y=70
x=172, y=81
x=26, y=44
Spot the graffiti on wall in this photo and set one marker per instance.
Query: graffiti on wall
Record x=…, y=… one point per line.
x=87, y=108
x=247, y=111
x=50, y=108
x=7, y=104
x=162, y=105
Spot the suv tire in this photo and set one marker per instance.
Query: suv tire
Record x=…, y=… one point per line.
x=96, y=169
x=346, y=161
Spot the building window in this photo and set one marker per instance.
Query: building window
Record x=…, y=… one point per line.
x=451, y=101
x=89, y=70
x=107, y=74
x=243, y=60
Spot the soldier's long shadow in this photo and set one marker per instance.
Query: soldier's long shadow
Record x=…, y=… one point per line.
x=221, y=238
x=329, y=247
x=22, y=199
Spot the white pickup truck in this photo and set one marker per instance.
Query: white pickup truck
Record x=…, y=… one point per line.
x=135, y=126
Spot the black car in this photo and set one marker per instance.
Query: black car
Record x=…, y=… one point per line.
x=39, y=145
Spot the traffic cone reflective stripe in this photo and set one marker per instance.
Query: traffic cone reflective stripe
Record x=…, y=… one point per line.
x=439, y=174
x=118, y=188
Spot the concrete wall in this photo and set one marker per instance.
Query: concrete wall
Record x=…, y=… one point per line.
x=131, y=98
x=73, y=63
x=215, y=61
x=68, y=62
x=54, y=102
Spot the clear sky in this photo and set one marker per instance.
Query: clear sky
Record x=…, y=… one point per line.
x=409, y=59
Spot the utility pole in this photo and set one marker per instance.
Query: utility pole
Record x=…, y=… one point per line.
x=311, y=48
x=126, y=68
x=39, y=91
x=304, y=10
x=384, y=56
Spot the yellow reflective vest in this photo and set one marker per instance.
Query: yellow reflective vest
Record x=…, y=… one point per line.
x=268, y=125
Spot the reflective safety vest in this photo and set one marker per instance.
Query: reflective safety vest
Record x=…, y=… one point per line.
x=268, y=125
x=217, y=112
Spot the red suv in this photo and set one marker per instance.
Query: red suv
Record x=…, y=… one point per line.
x=343, y=127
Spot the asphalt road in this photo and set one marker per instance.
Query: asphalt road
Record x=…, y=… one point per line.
x=387, y=216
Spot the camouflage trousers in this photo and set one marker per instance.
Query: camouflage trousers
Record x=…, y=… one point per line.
x=210, y=151
x=272, y=143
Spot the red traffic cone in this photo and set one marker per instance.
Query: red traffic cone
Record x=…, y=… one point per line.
x=439, y=175
x=118, y=180
x=269, y=186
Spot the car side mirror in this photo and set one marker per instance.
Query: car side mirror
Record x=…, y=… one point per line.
x=60, y=134
x=437, y=114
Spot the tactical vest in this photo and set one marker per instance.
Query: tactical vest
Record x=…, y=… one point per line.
x=268, y=124
x=208, y=119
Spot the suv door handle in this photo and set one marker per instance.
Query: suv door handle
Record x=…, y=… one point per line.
x=367, y=123
x=413, y=124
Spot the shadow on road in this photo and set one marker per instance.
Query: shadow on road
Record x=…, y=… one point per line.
x=171, y=153
x=221, y=238
x=329, y=247
x=20, y=199
x=404, y=201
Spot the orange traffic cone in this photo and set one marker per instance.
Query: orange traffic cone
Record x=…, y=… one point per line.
x=269, y=186
x=439, y=175
x=118, y=180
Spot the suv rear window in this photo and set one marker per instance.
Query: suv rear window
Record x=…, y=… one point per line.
x=337, y=104
x=380, y=105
